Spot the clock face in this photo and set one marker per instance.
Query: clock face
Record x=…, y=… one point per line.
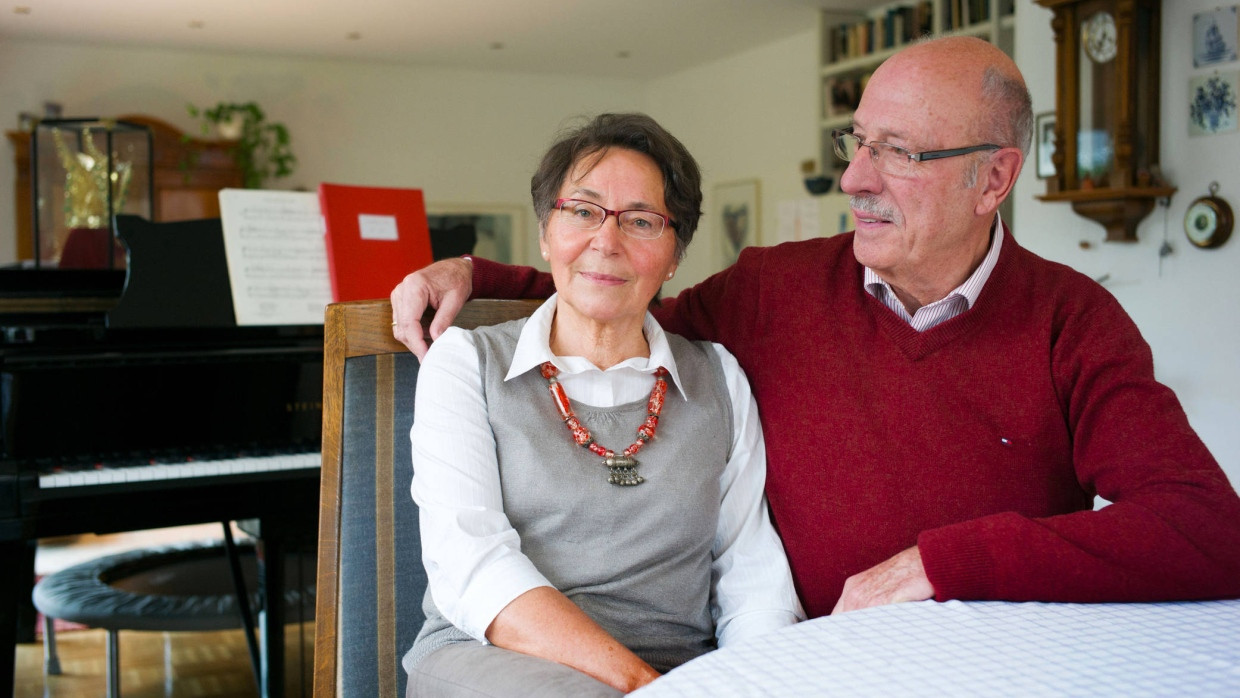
x=1208, y=221
x=1099, y=37
x=1200, y=223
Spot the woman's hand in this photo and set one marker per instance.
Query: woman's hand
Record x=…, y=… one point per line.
x=542, y=622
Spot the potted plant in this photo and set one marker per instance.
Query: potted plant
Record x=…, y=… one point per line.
x=262, y=148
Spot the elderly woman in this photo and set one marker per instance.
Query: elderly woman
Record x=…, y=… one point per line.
x=570, y=550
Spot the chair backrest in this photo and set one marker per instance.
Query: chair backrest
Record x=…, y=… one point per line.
x=370, y=575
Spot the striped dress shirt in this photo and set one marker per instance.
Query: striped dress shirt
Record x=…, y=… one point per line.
x=959, y=300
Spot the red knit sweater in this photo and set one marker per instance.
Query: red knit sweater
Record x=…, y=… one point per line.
x=982, y=440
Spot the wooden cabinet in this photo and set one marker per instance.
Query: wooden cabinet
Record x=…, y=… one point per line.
x=1107, y=105
x=187, y=175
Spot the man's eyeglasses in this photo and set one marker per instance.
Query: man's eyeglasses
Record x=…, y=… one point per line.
x=583, y=215
x=892, y=159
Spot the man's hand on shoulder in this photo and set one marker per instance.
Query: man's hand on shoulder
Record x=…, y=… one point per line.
x=444, y=285
x=900, y=578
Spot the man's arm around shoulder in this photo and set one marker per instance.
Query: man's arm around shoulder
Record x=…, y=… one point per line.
x=447, y=284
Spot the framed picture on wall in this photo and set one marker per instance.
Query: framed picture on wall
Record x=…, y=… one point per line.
x=1215, y=36
x=843, y=92
x=737, y=216
x=1212, y=103
x=490, y=231
x=1045, y=141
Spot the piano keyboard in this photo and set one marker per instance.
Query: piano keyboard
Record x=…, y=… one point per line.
x=178, y=471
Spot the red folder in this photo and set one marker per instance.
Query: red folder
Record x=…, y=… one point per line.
x=375, y=236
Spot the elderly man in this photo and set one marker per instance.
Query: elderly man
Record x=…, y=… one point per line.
x=940, y=405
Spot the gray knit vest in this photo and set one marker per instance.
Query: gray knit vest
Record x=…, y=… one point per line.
x=636, y=559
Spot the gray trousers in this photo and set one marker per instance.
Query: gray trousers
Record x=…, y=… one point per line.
x=475, y=670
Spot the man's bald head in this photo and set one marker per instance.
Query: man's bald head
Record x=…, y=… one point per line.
x=967, y=70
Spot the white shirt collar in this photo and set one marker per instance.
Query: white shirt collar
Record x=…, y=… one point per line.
x=972, y=286
x=534, y=348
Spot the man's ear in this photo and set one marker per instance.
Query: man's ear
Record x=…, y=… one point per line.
x=1000, y=177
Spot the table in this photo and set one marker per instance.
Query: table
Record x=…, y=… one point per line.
x=986, y=648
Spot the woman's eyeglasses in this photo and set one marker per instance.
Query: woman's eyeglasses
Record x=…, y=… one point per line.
x=584, y=215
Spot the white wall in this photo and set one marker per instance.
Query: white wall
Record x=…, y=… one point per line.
x=1186, y=304
x=461, y=136
x=473, y=137
x=751, y=116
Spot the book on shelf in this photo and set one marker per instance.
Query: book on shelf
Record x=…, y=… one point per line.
x=961, y=14
x=975, y=12
x=892, y=28
x=375, y=236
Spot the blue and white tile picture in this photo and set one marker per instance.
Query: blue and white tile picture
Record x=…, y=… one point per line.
x=1212, y=103
x=1215, y=37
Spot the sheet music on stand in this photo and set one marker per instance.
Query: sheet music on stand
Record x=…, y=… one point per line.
x=277, y=257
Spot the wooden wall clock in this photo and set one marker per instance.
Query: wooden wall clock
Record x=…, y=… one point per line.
x=1107, y=61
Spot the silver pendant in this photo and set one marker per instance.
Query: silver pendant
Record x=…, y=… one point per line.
x=623, y=471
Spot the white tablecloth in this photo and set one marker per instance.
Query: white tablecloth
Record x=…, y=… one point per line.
x=981, y=648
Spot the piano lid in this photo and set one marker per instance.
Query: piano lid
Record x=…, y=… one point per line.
x=174, y=291
x=49, y=291
x=177, y=275
x=55, y=299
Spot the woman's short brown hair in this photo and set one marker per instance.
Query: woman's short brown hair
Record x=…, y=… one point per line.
x=682, y=182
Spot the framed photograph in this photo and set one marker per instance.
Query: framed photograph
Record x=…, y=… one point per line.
x=1215, y=34
x=737, y=216
x=490, y=231
x=1045, y=141
x=843, y=93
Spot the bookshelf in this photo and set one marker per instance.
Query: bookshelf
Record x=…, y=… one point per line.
x=852, y=46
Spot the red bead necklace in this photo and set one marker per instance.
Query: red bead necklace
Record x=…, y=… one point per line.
x=623, y=467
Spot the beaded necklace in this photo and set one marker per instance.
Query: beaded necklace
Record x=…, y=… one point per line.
x=623, y=467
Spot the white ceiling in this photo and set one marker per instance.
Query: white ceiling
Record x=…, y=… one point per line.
x=606, y=38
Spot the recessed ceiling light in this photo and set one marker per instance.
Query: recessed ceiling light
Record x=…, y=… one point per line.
x=21, y=10
x=353, y=36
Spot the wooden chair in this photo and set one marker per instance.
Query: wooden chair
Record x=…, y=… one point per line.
x=370, y=575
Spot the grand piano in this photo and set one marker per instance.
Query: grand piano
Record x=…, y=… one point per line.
x=116, y=426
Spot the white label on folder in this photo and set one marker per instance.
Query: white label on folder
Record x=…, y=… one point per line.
x=374, y=227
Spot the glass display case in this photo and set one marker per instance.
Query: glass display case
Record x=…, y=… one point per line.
x=84, y=172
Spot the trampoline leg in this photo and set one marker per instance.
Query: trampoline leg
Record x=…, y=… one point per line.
x=114, y=665
x=51, y=660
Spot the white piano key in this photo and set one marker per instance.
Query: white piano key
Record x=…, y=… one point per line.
x=177, y=471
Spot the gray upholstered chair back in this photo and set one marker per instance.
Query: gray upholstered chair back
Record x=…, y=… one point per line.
x=370, y=575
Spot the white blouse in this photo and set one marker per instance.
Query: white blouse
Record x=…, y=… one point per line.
x=473, y=555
